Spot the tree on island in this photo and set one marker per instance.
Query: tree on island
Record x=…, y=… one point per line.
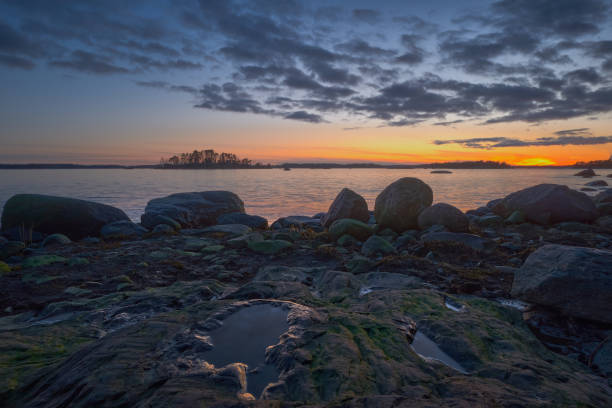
x=208, y=159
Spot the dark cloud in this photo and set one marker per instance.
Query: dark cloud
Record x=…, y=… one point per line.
x=526, y=60
x=567, y=18
x=16, y=62
x=366, y=15
x=229, y=97
x=361, y=47
x=168, y=87
x=498, y=142
x=574, y=132
x=84, y=61
x=16, y=43
x=305, y=117
x=449, y=123
x=589, y=75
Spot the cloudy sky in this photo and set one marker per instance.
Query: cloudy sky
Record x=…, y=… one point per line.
x=104, y=81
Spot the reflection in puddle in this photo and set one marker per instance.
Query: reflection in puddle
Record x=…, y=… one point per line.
x=515, y=304
x=244, y=337
x=428, y=350
x=454, y=306
x=364, y=291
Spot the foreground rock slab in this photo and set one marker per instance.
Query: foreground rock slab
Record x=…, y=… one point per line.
x=576, y=281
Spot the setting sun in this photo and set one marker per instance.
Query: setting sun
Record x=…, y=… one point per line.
x=535, y=161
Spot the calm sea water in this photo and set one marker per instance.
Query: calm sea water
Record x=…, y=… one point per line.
x=273, y=193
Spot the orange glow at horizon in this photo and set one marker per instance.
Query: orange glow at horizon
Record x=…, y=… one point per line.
x=535, y=161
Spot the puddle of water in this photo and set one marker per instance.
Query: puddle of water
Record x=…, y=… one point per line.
x=513, y=303
x=244, y=337
x=428, y=350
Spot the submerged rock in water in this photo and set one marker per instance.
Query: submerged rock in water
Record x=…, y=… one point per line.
x=197, y=209
x=573, y=280
x=51, y=214
x=597, y=183
x=347, y=204
x=586, y=173
x=398, y=206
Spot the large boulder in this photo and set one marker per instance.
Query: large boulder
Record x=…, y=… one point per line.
x=573, y=280
x=444, y=214
x=51, y=214
x=603, y=197
x=398, y=206
x=348, y=204
x=197, y=209
x=549, y=204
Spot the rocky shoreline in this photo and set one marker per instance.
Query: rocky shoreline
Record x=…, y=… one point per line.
x=511, y=300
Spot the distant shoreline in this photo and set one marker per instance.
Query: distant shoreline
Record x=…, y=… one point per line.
x=316, y=166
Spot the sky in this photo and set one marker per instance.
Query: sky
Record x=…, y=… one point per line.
x=402, y=81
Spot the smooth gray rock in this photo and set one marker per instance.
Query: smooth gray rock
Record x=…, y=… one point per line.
x=55, y=240
x=444, y=214
x=398, y=206
x=252, y=221
x=234, y=230
x=576, y=281
x=586, y=173
x=603, y=197
x=196, y=209
x=472, y=241
x=122, y=230
x=74, y=218
x=549, y=204
x=597, y=183
x=347, y=204
x=376, y=245
x=297, y=221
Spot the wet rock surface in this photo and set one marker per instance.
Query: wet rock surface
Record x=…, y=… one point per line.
x=144, y=321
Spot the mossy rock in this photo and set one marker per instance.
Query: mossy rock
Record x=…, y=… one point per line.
x=212, y=249
x=42, y=260
x=354, y=228
x=270, y=247
x=376, y=245
x=4, y=268
x=76, y=261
